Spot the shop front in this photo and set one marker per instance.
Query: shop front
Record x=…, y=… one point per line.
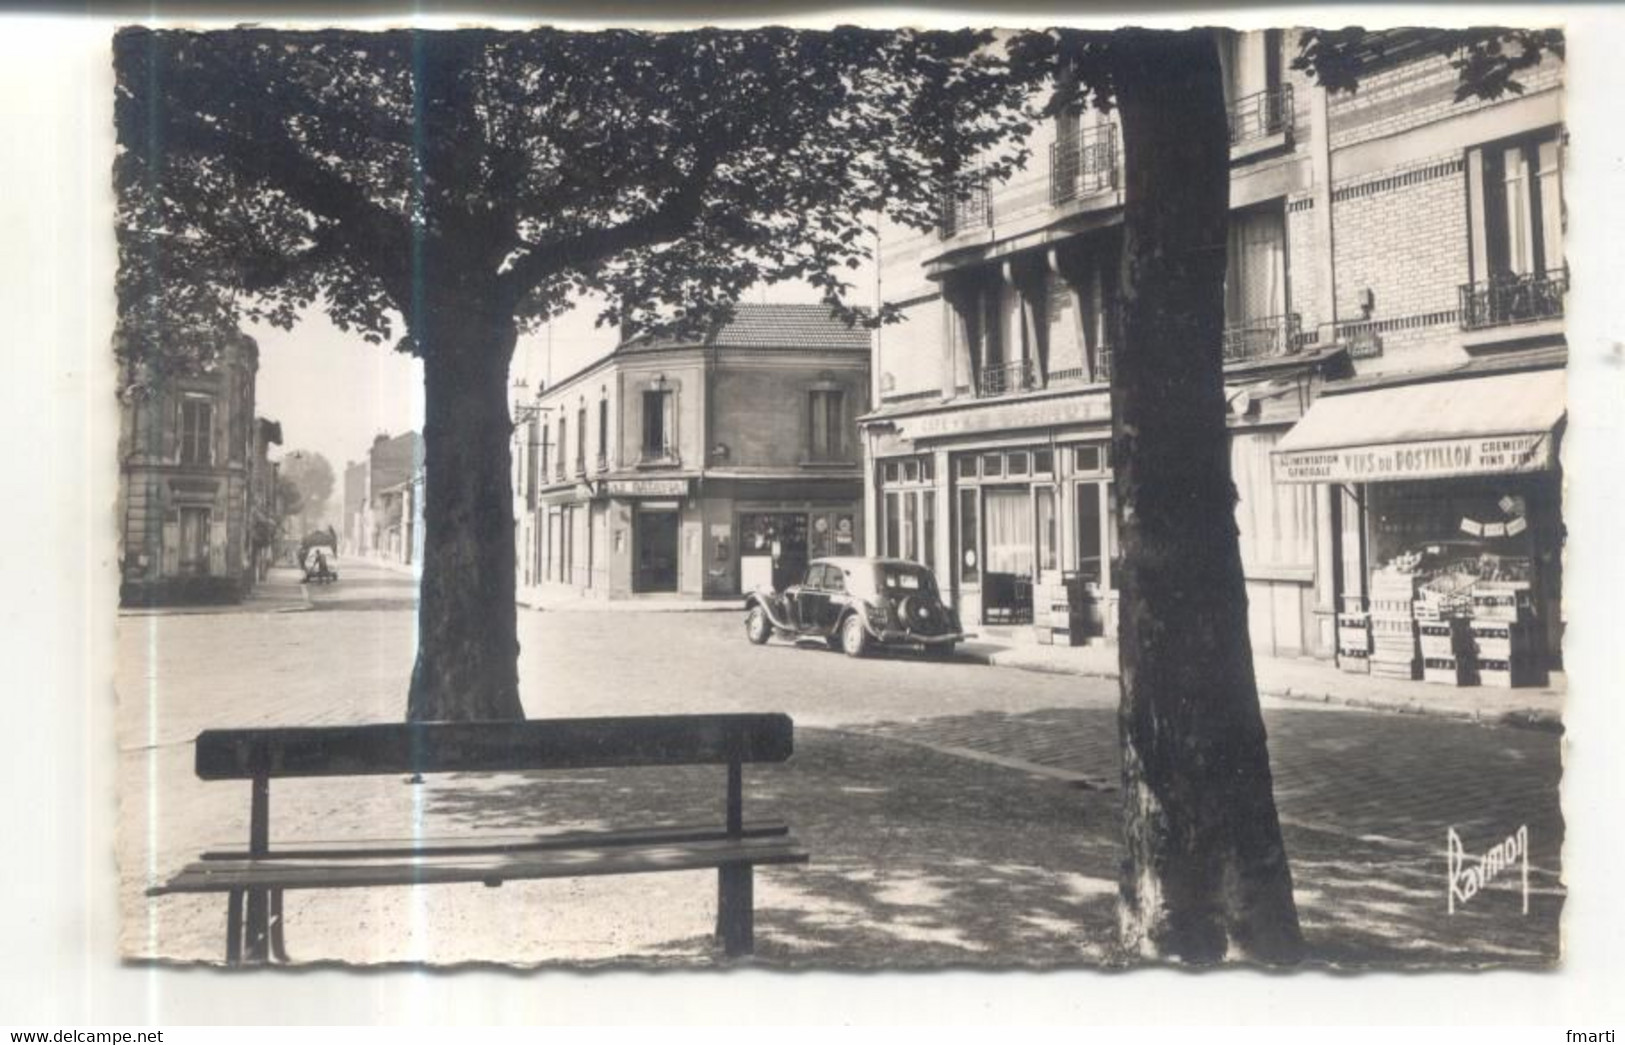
x=1008, y=503
x=1448, y=497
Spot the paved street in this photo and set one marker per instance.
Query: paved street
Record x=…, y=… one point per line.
x=955, y=812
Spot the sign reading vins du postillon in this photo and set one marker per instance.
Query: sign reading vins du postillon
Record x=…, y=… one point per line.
x=1434, y=459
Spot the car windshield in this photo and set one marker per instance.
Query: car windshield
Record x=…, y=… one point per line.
x=904, y=579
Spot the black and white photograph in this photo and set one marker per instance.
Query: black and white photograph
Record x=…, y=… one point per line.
x=722, y=495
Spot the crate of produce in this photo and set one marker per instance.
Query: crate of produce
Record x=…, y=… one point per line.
x=1444, y=638
x=1449, y=671
x=1504, y=640
x=1501, y=600
x=1493, y=671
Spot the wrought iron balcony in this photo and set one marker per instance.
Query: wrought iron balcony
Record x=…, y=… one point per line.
x=1261, y=115
x=1006, y=378
x=1084, y=165
x=1505, y=300
x=1262, y=338
x=966, y=204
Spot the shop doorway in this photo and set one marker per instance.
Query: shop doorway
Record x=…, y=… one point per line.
x=655, y=540
x=772, y=548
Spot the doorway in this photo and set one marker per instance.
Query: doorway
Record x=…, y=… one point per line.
x=655, y=539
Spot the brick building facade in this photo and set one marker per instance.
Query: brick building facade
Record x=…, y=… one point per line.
x=1386, y=238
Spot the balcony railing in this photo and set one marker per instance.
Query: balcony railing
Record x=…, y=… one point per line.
x=1261, y=115
x=558, y=472
x=1083, y=166
x=1261, y=338
x=603, y=463
x=1006, y=378
x=1513, y=299
x=581, y=467
x=966, y=204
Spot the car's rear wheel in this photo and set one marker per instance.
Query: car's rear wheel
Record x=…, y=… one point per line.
x=757, y=627
x=854, y=639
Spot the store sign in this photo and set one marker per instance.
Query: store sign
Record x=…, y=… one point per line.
x=1434, y=459
x=996, y=417
x=647, y=487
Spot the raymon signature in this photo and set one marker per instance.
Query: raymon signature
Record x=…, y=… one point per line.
x=1466, y=881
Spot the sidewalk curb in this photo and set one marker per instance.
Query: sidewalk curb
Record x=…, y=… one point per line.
x=1520, y=718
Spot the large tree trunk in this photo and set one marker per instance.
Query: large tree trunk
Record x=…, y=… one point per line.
x=468, y=650
x=1206, y=873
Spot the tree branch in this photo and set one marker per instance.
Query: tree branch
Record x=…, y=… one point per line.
x=668, y=221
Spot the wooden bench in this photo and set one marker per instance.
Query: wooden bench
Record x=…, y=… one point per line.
x=255, y=878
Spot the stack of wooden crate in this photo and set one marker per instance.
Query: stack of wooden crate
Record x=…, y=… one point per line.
x=1504, y=635
x=1354, y=637
x=1448, y=656
x=1393, y=629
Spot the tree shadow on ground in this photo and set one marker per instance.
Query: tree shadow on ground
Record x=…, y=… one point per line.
x=918, y=858
x=1366, y=801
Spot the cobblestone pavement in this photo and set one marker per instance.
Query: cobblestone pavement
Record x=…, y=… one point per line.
x=956, y=812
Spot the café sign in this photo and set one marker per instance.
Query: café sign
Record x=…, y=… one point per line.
x=1432, y=459
x=647, y=487
x=998, y=417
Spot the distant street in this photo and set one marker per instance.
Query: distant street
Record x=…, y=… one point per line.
x=1367, y=798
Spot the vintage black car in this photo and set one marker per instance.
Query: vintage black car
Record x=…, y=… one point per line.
x=855, y=604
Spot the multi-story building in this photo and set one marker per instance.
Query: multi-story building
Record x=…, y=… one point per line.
x=1394, y=259
x=383, y=500
x=702, y=467
x=189, y=451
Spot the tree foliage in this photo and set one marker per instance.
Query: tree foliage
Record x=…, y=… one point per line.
x=311, y=473
x=387, y=174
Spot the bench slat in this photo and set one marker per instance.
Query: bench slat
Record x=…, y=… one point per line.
x=488, y=747
x=223, y=875
x=363, y=849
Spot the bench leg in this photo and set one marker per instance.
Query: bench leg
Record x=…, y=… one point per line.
x=736, y=909
x=258, y=930
x=234, y=927
x=279, y=947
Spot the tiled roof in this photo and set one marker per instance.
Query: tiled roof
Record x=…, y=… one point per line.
x=789, y=326
x=769, y=326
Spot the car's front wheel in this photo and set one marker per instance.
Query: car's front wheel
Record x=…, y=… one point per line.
x=854, y=639
x=757, y=627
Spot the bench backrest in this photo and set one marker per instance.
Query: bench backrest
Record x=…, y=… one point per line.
x=471, y=747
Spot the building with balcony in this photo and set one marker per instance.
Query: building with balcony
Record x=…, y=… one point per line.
x=1388, y=238
x=701, y=467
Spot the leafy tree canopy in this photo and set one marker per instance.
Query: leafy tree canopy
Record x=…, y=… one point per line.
x=442, y=176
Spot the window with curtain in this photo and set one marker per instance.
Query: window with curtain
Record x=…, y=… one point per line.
x=1255, y=284
x=826, y=424
x=1008, y=525
x=581, y=441
x=658, y=421
x=911, y=533
x=969, y=564
x=1276, y=520
x=1524, y=207
x=928, y=526
x=1048, y=531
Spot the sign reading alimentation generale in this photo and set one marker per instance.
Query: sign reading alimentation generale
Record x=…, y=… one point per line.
x=1432, y=459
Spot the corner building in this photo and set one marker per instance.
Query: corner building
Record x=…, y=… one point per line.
x=1382, y=241
x=701, y=467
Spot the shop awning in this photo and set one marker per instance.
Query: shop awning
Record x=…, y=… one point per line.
x=1497, y=424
